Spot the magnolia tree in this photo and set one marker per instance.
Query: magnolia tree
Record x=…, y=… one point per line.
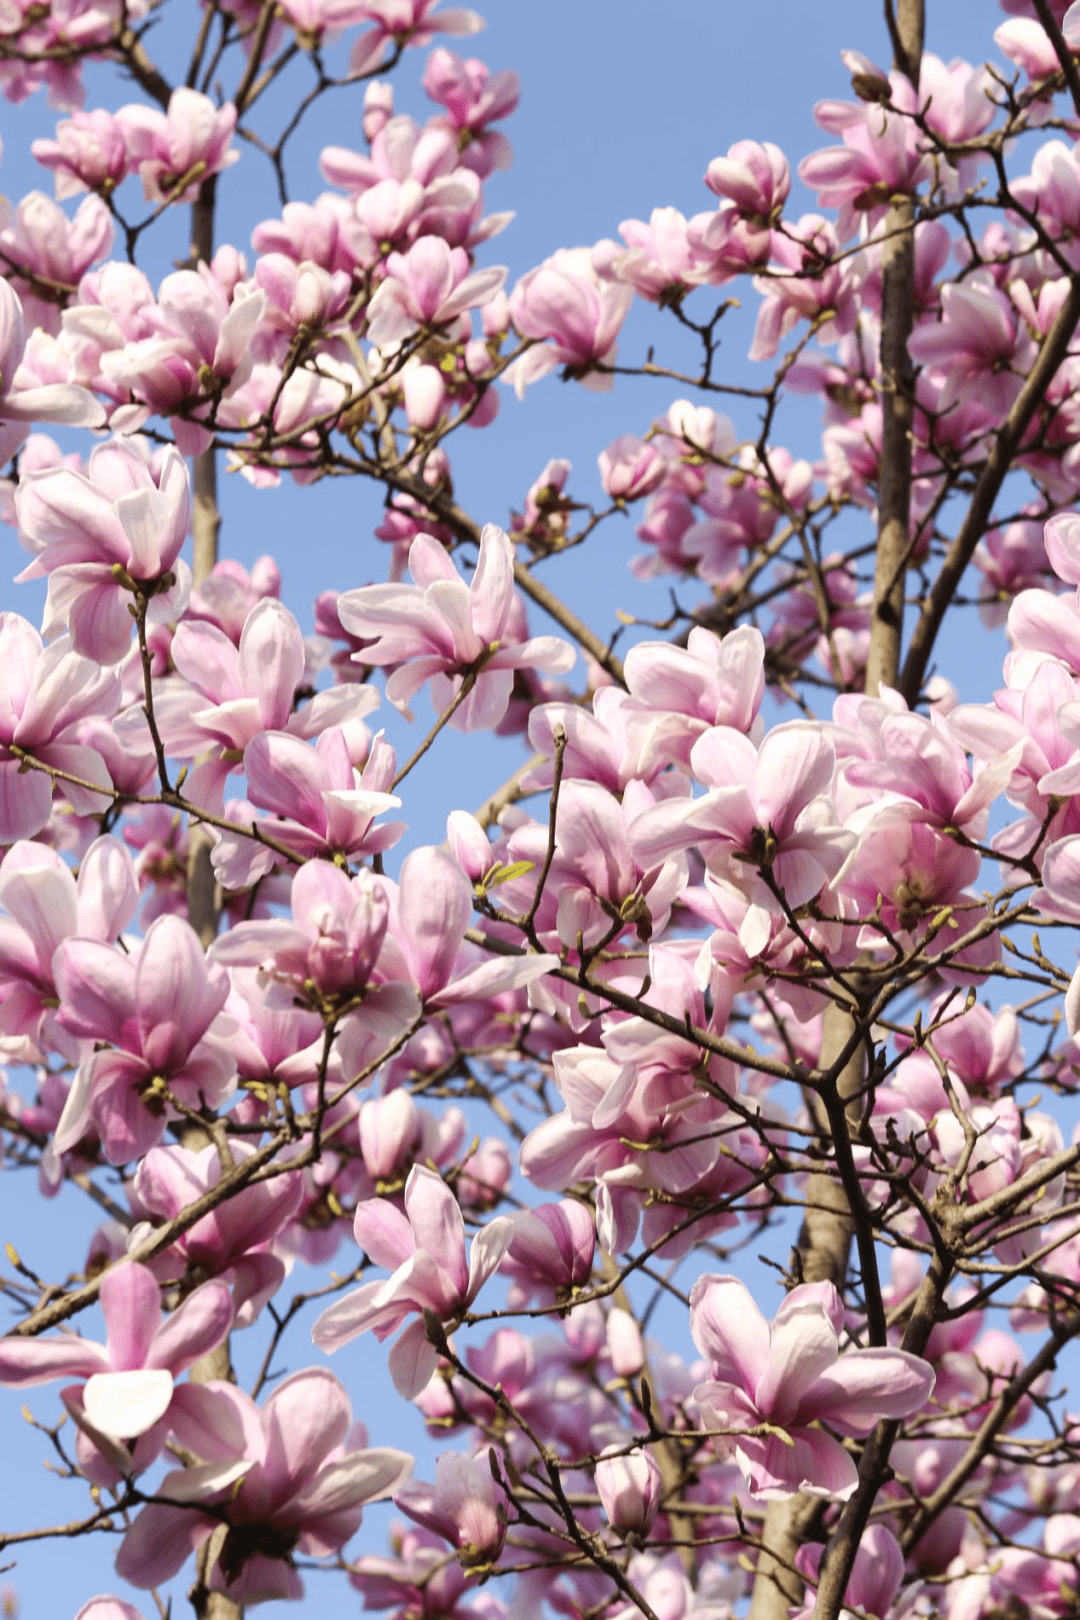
x=763, y=944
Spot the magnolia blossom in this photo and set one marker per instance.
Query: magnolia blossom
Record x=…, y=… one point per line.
x=129, y=1395
x=783, y=1378
x=425, y=1249
x=293, y=1476
x=444, y=631
x=104, y=537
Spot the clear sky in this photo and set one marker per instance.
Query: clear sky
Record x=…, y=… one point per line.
x=624, y=102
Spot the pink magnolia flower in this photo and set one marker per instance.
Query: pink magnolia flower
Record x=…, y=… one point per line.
x=45, y=905
x=414, y=21
x=767, y=810
x=426, y=942
x=42, y=241
x=83, y=529
x=629, y=1487
x=574, y=317
x=88, y=154
x=174, y=151
x=151, y=1015
x=291, y=1477
x=22, y=399
x=444, y=631
x=232, y=1240
x=756, y=178
x=429, y=285
x=980, y=347
x=465, y=1507
x=790, y=1375
x=321, y=804
x=876, y=1576
x=473, y=97
x=425, y=1250
x=551, y=1252
x=46, y=694
x=130, y=1381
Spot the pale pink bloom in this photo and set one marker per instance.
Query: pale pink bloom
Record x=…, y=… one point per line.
x=1010, y=559
x=426, y=942
x=291, y=1476
x=150, y=1022
x=416, y=22
x=379, y=105
x=425, y=1250
x=88, y=154
x=1024, y=41
x=659, y=261
x=465, y=1507
x=876, y=1576
x=599, y=883
x=756, y=178
x=130, y=1381
x=630, y=469
x=805, y=284
x=232, y=1240
x=22, y=401
x=202, y=344
x=629, y=1486
x=118, y=516
x=713, y=681
x=474, y=97
x=48, y=244
x=625, y=1344
x=440, y=630
x=321, y=803
x=46, y=694
x=790, y=1374
x=246, y=691
x=979, y=347
x=881, y=156
x=572, y=315
x=768, y=810
x=175, y=151
x=551, y=1252
x=45, y=905
x=429, y=285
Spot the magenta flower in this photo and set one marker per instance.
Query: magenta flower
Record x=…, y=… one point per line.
x=442, y=630
x=789, y=1375
x=290, y=1477
x=150, y=1016
x=425, y=1250
x=129, y=1380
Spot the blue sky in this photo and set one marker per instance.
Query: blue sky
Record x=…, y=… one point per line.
x=623, y=105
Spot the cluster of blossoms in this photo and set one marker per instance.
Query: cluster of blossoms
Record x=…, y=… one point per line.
x=770, y=917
